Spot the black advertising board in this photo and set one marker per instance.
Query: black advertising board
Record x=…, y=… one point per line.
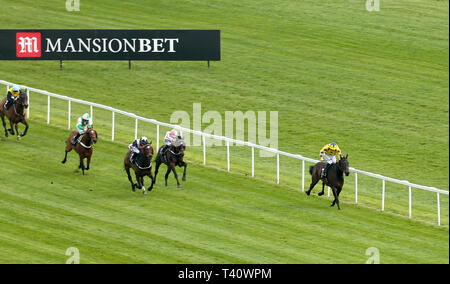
x=177, y=45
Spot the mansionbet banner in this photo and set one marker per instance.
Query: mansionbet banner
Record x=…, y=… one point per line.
x=189, y=45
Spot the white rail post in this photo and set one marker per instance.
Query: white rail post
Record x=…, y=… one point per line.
x=383, y=195
x=328, y=191
x=278, y=168
x=228, y=155
x=92, y=112
x=69, y=111
x=439, y=209
x=136, y=130
x=204, y=149
x=48, y=109
x=113, y=125
x=28, y=110
x=356, y=188
x=253, y=161
x=303, y=175
x=410, y=203
x=157, y=137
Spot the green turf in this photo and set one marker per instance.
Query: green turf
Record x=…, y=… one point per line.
x=217, y=217
x=376, y=83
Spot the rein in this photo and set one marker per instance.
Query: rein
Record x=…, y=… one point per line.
x=84, y=146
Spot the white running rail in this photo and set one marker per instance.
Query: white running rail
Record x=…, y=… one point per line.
x=228, y=141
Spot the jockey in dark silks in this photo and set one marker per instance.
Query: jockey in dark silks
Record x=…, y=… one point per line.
x=136, y=147
x=12, y=95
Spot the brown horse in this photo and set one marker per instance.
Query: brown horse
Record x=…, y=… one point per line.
x=84, y=147
x=334, y=179
x=15, y=114
x=172, y=157
x=142, y=168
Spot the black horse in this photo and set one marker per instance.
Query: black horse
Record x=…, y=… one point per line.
x=334, y=179
x=172, y=157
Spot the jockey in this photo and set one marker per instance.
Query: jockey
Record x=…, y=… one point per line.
x=329, y=153
x=170, y=137
x=136, y=147
x=83, y=124
x=12, y=95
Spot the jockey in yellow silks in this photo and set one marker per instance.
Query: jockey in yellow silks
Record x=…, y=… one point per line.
x=328, y=154
x=12, y=95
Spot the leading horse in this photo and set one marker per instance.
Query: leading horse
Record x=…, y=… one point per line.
x=84, y=147
x=16, y=114
x=334, y=179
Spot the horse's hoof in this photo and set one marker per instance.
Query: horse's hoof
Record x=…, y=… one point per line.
x=179, y=186
x=320, y=194
x=63, y=162
x=183, y=179
x=18, y=138
x=308, y=193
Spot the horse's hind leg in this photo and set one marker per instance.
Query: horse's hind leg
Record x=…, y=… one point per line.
x=65, y=158
x=151, y=178
x=88, y=162
x=133, y=185
x=313, y=184
x=4, y=125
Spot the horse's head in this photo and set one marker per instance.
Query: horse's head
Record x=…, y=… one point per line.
x=148, y=150
x=344, y=165
x=93, y=135
x=23, y=99
x=178, y=147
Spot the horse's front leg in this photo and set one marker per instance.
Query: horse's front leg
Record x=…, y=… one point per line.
x=176, y=176
x=323, y=190
x=88, y=162
x=152, y=179
x=184, y=172
x=4, y=126
x=313, y=184
x=169, y=169
x=336, y=198
x=17, y=131
x=11, y=129
x=24, y=122
x=82, y=164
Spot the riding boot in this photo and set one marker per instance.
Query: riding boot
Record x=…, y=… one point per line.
x=325, y=171
x=134, y=158
x=74, y=141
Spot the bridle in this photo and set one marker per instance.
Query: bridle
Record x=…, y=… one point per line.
x=148, y=146
x=92, y=141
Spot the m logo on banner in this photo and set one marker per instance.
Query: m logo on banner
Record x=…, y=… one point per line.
x=28, y=45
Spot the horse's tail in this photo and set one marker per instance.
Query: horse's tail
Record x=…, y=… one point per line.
x=311, y=169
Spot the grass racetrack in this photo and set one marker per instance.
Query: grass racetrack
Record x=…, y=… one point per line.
x=376, y=83
x=216, y=217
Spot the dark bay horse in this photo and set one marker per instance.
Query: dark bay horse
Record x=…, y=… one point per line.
x=334, y=179
x=84, y=147
x=142, y=168
x=173, y=157
x=15, y=114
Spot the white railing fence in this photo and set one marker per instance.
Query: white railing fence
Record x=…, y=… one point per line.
x=228, y=141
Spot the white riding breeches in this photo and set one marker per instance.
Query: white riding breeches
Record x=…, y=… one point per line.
x=330, y=160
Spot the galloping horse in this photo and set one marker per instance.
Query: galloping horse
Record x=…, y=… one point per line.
x=334, y=179
x=84, y=147
x=15, y=114
x=142, y=168
x=173, y=157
